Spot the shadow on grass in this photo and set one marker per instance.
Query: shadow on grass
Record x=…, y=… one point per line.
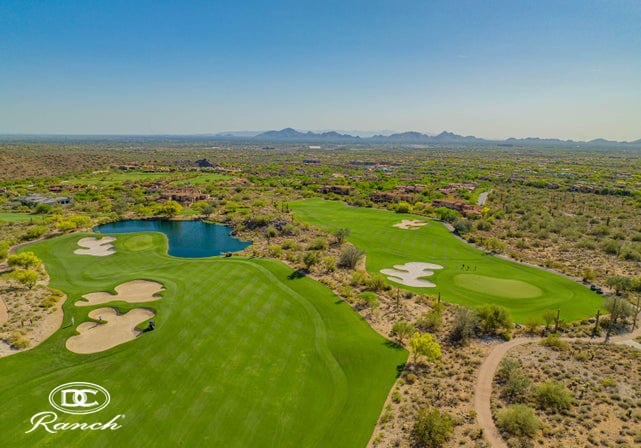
x=391, y=344
x=297, y=274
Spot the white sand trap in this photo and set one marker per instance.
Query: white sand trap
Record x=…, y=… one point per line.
x=137, y=291
x=410, y=274
x=410, y=224
x=119, y=328
x=96, y=247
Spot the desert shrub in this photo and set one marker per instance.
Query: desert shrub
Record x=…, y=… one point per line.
x=463, y=226
x=349, y=257
x=49, y=301
x=464, y=325
x=275, y=251
x=403, y=207
x=515, y=384
x=358, y=278
x=518, y=420
x=290, y=245
x=483, y=225
x=402, y=329
x=4, y=249
x=553, y=396
x=377, y=282
x=34, y=232
x=369, y=298
x=329, y=263
x=554, y=342
x=319, y=243
x=289, y=230
x=494, y=318
x=612, y=247
x=25, y=260
x=432, y=429
x=17, y=340
x=431, y=321
x=341, y=234
x=26, y=277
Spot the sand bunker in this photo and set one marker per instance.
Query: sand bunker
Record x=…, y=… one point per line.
x=116, y=329
x=137, y=291
x=409, y=274
x=410, y=224
x=96, y=247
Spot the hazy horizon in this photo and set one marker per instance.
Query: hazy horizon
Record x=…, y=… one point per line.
x=495, y=70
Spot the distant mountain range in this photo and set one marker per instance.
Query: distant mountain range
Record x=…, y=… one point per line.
x=416, y=138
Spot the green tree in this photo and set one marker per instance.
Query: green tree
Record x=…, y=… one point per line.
x=494, y=318
x=42, y=209
x=518, y=420
x=619, y=283
x=26, y=277
x=310, y=259
x=402, y=329
x=432, y=429
x=462, y=226
x=170, y=208
x=25, y=260
x=425, y=345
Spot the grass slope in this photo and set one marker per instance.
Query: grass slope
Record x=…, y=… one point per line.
x=244, y=354
x=21, y=217
x=524, y=290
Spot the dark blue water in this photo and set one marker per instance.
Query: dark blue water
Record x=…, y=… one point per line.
x=187, y=239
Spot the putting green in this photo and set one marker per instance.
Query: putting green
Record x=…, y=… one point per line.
x=511, y=289
x=386, y=246
x=245, y=353
x=139, y=242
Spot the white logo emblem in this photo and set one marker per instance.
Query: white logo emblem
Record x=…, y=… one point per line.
x=79, y=398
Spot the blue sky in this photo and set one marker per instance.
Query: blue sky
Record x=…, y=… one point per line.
x=567, y=69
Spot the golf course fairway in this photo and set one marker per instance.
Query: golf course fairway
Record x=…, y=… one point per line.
x=468, y=277
x=244, y=354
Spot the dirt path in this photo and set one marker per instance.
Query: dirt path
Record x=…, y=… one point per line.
x=483, y=389
x=4, y=314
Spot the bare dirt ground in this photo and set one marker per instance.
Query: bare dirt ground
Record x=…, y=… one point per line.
x=114, y=329
x=485, y=376
x=30, y=315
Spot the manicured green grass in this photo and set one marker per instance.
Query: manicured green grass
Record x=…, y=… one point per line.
x=244, y=354
x=500, y=287
x=20, y=217
x=525, y=291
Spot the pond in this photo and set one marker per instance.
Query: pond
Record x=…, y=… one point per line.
x=187, y=239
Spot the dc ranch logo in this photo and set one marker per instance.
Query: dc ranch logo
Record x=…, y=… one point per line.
x=76, y=398
x=79, y=398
